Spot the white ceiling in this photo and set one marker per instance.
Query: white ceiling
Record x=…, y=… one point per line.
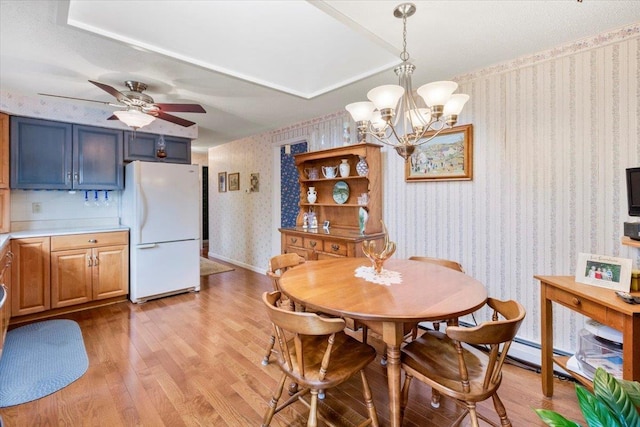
x=256, y=66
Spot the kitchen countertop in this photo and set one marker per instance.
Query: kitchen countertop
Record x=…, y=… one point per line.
x=5, y=238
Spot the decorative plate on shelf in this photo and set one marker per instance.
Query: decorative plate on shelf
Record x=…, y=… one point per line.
x=340, y=192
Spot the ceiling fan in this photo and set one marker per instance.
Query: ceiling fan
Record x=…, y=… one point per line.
x=139, y=108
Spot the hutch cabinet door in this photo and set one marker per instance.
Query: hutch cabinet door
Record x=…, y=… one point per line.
x=40, y=154
x=97, y=158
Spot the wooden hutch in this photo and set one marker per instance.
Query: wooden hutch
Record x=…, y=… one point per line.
x=343, y=237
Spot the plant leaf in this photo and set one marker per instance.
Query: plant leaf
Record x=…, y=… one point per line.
x=609, y=391
x=554, y=419
x=632, y=388
x=595, y=413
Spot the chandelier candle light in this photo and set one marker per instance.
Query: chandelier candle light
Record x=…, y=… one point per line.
x=395, y=116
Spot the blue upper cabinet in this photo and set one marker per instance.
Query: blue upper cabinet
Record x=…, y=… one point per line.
x=52, y=155
x=148, y=147
x=97, y=158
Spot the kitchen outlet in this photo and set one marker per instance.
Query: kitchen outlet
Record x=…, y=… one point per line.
x=36, y=207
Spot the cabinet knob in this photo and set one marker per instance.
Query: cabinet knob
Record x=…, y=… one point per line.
x=96, y=261
x=93, y=241
x=313, y=243
x=576, y=301
x=335, y=247
x=294, y=239
x=89, y=261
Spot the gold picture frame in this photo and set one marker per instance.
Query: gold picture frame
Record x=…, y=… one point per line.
x=234, y=181
x=447, y=157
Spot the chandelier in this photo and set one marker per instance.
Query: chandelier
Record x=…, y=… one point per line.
x=395, y=116
x=134, y=117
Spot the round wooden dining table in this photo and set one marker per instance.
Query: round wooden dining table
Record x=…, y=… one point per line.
x=426, y=292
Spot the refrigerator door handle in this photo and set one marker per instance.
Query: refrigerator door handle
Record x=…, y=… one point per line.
x=142, y=211
x=148, y=246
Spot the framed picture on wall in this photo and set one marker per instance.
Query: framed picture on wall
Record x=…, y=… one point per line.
x=234, y=181
x=604, y=271
x=254, y=182
x=222, y=182
x=447, y=157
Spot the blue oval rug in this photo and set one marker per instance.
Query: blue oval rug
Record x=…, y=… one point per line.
x=39, y=359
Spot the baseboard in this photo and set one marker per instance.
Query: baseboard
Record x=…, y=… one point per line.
x=239, y=264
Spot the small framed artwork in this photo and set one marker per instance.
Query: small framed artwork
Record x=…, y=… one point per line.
x=604, y=271
x=222, y=182
x=234, y=181
x=254, y=183
x=447, y=157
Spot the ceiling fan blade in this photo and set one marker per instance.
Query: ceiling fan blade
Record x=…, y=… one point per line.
x=173, y=119
x=113, y=117
x=81, y=99
x=111, y=90
x=181, y=108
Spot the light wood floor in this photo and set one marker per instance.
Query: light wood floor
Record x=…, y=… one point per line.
x=194, y=360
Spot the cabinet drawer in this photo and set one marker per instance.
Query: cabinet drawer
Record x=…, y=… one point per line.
x=313, y=244
x=294, y=240
x=336, y=248
x=88, y=240
x=588, y=308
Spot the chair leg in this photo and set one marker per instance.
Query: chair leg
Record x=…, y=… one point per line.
x=368, y=400
x=273, y=404
x=500, y=409
x=473, y=415
x=272, y=342
x=404, y=394
x=313, y=411
x=435, y=398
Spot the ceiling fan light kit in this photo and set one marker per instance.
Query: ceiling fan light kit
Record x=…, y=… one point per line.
x=134, y=117
x=139, y=108
x=395, y=116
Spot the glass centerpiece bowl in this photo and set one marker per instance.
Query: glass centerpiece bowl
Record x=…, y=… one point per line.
x=378, y=258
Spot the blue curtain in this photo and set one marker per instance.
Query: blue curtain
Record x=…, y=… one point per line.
x=289, y=188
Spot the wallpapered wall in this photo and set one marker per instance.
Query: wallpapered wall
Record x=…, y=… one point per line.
x=553, y=133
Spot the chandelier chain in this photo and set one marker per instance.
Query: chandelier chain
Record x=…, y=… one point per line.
x=404, y=55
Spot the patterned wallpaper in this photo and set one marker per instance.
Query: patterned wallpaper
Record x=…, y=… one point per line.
x=553, y=133
x=289, y=188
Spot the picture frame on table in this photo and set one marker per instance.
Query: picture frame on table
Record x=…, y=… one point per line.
x=234, y=181
x=604, y=271
x=447, y=157
x=222, y=182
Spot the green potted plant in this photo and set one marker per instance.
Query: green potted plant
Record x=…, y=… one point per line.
x=614, y=403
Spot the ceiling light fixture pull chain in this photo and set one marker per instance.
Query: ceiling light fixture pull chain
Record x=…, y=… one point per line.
x=395, y=116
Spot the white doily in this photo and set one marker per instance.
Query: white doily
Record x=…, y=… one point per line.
x=386, y=277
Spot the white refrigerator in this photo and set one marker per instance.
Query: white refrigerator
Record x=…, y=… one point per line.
x=160, y=205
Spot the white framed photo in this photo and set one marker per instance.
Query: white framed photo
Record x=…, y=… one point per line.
x=604, y=271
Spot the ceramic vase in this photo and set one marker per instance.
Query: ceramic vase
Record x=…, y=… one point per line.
x=312, y=195
x=345, y=168
x=363, y=216
x=362, y=167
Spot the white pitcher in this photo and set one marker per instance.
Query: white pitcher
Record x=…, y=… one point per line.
x=312, y=195
x=330, y=171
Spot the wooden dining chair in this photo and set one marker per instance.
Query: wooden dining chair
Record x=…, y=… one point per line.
x=277, y=265
x=452, y=364
x=315, y=353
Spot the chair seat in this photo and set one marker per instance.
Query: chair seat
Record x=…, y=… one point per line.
x=348, y=355
x=434, y=356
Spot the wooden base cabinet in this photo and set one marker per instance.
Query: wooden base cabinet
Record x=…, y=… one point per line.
x=5, y=295
x=88, y=267
x=30, y=272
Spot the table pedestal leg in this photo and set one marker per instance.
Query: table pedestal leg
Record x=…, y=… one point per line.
x=392, y=334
